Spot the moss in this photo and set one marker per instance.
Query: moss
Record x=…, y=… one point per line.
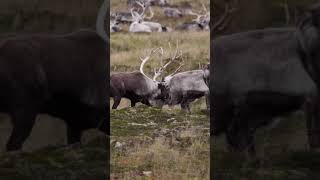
x=56, y=163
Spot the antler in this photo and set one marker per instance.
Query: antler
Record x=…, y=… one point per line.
x=144, y=6
x=178, y=69
x=151, y=14
x=163, y=67
x=145, y=59
x=195, y=14
x=158, y=72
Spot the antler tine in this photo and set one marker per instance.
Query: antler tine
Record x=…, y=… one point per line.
x=161, y=56
x=176, y=52
x=178, y=69
x=143, y=8
x=144, y=61
x=204, y=8
x=151, y=13
x=131, y=10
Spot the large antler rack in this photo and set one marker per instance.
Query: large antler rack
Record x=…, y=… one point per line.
x=145, y=7
x=177, y=55
x=206, y=14
x=174, y=58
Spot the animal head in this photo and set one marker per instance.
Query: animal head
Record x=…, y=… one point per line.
x=139, y=17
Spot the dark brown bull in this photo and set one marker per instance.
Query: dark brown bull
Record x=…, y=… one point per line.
x=137, y=86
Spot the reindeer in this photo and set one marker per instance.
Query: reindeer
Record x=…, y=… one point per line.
x=184, y=87
x=139, y=25
x=137, y=86
x=200, y=23
x=114, y=26
x=122, y=17
x=172, y=12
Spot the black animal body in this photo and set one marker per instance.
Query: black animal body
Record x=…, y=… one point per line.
x=62, y=75
x=258, y=75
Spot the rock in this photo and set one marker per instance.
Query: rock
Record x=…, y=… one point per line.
x=147, y=173
x=118, y=145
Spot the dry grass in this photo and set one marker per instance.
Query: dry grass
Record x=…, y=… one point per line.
x=164, y=158
x=126, y=48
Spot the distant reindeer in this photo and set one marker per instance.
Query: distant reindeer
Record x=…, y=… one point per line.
x=137, y=86
x=114, y=26
x=132, y=3
x=200, y=23
x=140, y=25
x=172, y=12
x=122, y=17
x=177, y=11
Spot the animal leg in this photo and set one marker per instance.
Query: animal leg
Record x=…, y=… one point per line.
x=313, y=122
x=133, y=103
x=239, y=135
x=74, y=135
x=116, y=102
x=185, y=107
x=23, y=121
x=208, y=102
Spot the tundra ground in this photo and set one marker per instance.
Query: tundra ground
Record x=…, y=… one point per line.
x=45, y=155
x=149, y=143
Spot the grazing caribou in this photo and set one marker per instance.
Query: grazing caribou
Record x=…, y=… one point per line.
x=61, y=75
x=262, y=74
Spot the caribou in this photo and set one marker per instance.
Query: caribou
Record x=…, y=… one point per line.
x=262, y=74
x=61, y=75
x=200, y=23
x=139, y=25
x=114, y=26
x=185, y=87
x=122, y=17
x=172, y=12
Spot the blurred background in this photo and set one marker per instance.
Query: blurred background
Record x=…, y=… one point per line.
x=282, y=148
x=45, y=156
